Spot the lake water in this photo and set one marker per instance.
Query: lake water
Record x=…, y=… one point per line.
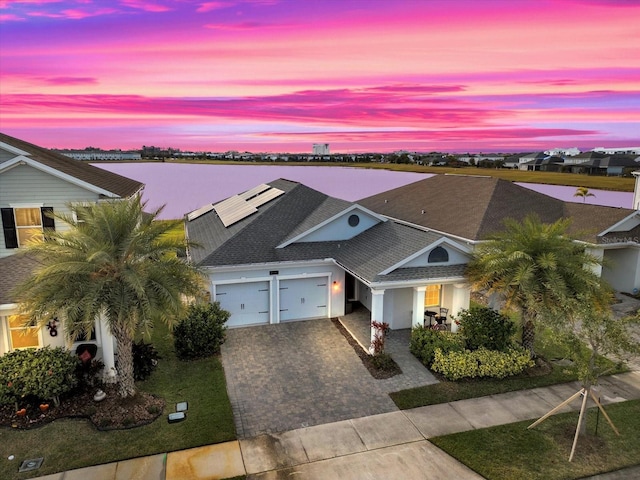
x=186, y=187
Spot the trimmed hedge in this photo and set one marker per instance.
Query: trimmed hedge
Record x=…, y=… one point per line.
x=45, y=373
x=483, y=327
x=455, y=365
x=425, y=341
x=201, y=332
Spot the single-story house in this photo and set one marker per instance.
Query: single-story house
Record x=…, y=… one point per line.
x=468, y=209
x=34, y=181
x=283, y=251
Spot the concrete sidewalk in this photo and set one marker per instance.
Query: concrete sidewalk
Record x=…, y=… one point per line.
x=389, y=445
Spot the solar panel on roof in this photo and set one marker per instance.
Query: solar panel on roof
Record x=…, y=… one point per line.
x=265, y=197
x=254, y=191
x=238, y=207
x=231, y=217
x=199, y=212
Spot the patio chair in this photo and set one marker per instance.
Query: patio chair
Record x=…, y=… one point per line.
x=442, y=318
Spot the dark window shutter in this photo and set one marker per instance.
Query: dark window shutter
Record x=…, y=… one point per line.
x=9, y=228
x=47, y=221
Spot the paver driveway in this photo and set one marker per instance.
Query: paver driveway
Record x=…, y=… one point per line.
x=298, y=374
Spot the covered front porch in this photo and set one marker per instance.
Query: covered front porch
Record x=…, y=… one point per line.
x=414, y=374
x=404, y=306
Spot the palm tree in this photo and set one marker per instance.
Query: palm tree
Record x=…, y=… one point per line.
x=536, y=269
x=117, y=262
x=584, y=193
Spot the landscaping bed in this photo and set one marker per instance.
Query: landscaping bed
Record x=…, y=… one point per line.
x=380, y=368
x=111, y=413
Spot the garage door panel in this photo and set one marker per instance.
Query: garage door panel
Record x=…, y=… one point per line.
x=303, y=298
x=247, y=302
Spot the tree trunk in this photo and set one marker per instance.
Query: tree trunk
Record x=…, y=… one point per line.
x=126, y=382
x=529, y=337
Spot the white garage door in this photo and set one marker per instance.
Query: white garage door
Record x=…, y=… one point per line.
x=303, y=298
x=247, y=302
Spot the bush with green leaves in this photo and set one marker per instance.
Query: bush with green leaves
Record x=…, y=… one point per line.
x=145, y=360
x=201, y=332
x=455, y=365
x=425, y=341
x=483, y=327
x=45, y=374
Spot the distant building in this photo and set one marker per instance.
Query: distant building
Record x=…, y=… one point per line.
x=101, y=155
x=321, y=149
x=563, y=152
x=618, y=150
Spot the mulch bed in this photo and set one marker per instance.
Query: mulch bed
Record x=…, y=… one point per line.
x=389, y=370
x=109, y=414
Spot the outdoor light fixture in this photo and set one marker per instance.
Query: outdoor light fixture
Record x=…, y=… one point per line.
x=336, y=285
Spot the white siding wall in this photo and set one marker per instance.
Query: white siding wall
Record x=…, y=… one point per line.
x=339, y=229
x=455, y=258
x=27, y=185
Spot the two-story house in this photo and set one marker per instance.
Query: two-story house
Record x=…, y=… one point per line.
x=33, y=182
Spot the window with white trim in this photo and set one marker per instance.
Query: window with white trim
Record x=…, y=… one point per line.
x=20, y=224
x=432, y=296
x=22, y=333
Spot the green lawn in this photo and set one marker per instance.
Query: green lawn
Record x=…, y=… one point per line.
x=512, y=452
x=70, y=444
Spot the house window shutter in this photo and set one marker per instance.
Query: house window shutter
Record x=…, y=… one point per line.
x=47, y=222
x=9, y=228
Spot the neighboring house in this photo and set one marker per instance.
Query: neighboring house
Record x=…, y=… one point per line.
x=283, y=251
x=612, y=165
x=543, y=164
x=467, y=209
x=34, y=181
x=525, y=161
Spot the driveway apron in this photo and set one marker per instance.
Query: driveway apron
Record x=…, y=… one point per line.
x=294, y=375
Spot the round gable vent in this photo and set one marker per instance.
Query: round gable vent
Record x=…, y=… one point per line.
x=354, y=220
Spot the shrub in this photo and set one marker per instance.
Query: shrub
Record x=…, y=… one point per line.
x=483, y=327
x=481, y=363
x=145, y=360
x=383, y=361
x=45, y=373
x=90, y=374
x=201, y=332
x=425, y=341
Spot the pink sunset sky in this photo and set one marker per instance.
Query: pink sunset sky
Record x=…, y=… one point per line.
x=361, y=75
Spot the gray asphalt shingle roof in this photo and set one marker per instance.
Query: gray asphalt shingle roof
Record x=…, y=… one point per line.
x=254, y=240
x=112, y=182
x=474, y=207
x=14, y=270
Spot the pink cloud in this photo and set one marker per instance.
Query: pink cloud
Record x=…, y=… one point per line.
x=209, y=6
x=146, y=6
x=57, y=81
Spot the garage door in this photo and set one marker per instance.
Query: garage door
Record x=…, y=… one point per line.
x=247, y=302
x=303, y=298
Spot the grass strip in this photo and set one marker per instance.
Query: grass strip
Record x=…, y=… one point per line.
x=511, y=451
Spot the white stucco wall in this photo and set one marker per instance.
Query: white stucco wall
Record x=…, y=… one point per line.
x=285, y=272
x=621, y=268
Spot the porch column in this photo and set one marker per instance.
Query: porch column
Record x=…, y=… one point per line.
x=460, y=301
x=108, y=357
x=377, y=313
x=418, y=306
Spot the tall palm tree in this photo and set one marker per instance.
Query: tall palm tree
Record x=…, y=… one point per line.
x=584, y=193
x=537, y=269
x=115, y=261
